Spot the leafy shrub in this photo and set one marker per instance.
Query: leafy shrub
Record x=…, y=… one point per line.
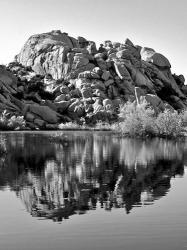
x=100, y=125
x=137, y=119
x=141, y=120
x=8, y=122
x=70, y=126
x=169, y=124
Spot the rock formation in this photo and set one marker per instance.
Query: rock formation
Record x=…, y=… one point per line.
x=56, y=78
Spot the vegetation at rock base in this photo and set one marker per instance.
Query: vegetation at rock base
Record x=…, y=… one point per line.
x=101, y=126
x=14, y=122
x=141, y=120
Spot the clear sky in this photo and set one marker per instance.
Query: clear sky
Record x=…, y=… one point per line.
x=160, y=24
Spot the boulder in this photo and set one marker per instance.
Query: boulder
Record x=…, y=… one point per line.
x=99, y=93
x=98, y=71
x=147, y=53
x=75, y=93
x=60, y=98
x=128, y=42
x=141, y=80
x=89, y=75
x=46, y=113
x=101, y=115
x=86, y=92
x=107, y=102
x=176, y=102
x=108, y=82
x=97, y=106
x=40, y=123
x=126, y=87
x=97, y=84
x=62, y=106
x=113, y=92
x=160, y=61
x=29, y=117
x=47, y=53
x=106, y=75
x=122, y=71
x=73, y=74
x=51, y=126
x=101, y=63
x=184, y=89
x=79, y=61
x=76, y=109
x=64, y=89
x=153, y=100
x=8, y=82
x=180, y=80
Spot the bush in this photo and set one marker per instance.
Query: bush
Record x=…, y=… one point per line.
x=100, y=125
x=8, y=122
x=137, y=119
x=169, y=124
x=70, y=126
x=141, y=121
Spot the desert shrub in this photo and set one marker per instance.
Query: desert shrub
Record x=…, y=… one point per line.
x=137, y=119
x=100, y=125
x=70, y=126
x=169, y=124
x=8, y=122
x=141, y=120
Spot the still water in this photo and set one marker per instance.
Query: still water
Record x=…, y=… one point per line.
x=86, y=190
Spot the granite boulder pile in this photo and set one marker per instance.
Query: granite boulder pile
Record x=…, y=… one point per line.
x=56, y=78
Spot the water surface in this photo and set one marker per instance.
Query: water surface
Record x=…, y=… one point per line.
x=86, y=190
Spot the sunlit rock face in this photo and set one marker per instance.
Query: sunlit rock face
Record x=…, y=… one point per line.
x=47, y=53
x=82, y=172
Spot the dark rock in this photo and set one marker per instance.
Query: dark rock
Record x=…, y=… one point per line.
x=62, y=106
x=46, y=113
x=40, y=123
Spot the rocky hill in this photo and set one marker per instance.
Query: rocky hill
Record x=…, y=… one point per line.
x=56, y=78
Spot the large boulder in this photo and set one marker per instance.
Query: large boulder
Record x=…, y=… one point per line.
x=47, y=53
x=149, y=55
x=43, y=112
x=8, y=81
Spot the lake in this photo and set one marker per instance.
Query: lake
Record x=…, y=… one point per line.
x=91, y=190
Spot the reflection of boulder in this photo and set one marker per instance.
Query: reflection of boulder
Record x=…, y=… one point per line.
x=77, y=171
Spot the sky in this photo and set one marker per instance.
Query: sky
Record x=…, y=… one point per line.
x=158, y=24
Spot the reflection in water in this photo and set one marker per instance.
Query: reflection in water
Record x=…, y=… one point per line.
x=83, y=171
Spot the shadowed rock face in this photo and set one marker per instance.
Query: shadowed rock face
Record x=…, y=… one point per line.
x=47, y=53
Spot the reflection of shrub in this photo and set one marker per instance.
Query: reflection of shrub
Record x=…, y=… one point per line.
x=141, y=120
x=8, y=122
